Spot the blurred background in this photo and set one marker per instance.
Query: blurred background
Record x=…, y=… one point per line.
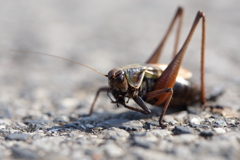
x=103, y=35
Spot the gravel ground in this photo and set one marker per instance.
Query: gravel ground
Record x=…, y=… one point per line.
x=42, y=99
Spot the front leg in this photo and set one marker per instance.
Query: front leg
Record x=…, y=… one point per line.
x=141, y=103
x=102, y=89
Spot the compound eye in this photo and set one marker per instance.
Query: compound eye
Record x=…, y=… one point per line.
x=119, y=78
x=116, y=75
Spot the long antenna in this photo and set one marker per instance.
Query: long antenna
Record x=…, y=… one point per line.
x=59, y=58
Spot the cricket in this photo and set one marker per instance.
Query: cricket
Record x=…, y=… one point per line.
x=157, y=84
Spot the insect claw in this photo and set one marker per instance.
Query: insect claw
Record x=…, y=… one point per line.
x=163, y=126
x=204, y=106
x=117, y=105
x=128, y=100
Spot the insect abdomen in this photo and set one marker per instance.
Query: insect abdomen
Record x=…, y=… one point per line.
x=185, y=92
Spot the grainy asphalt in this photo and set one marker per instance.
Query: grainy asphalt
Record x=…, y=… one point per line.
x=41, y=98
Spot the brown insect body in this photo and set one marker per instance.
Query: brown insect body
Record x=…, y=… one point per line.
x=132, y=80
x=157, y=84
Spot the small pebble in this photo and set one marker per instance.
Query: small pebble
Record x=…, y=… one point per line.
x=113, y=122
x=206, y=133
x=151, y=125
x=177, y=130
x=219, y=130
x=36, y=121
x=214, y=117
x=132, y=126
x=17, y=136
x=113, y=150
x=182, y=139
x=71, y=125
x=181, y=116
x=170, y=120
x=194, y=121
x=23, y=153
x=89, y=126
x=115, y=133
x=62, y=119
x=5, y=122
x=219, y=123
x=160, y=133
x=192, y=110
x=146, y=142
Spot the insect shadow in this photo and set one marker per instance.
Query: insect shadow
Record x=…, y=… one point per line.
x=105, y=120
